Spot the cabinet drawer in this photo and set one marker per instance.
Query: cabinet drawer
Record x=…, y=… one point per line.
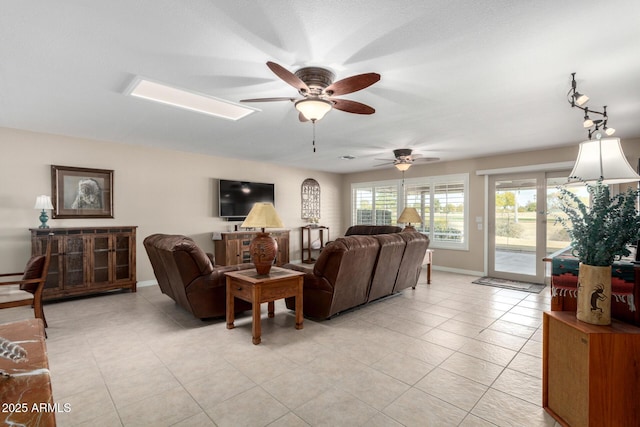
x=241, y=290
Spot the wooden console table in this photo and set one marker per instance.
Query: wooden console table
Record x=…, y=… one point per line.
x=252, y=287
x=590, y=373
x=232, y=247
x=306, y=248
x=26, y=396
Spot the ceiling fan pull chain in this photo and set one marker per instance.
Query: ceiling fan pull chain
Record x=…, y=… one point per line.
x=314, y=135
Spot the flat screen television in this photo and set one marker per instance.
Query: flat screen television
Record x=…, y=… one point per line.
x=236, y=198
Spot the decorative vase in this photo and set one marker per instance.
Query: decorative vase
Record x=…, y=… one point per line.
x=594, y=294
x=263, y=250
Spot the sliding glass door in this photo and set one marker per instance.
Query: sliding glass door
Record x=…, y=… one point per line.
x=517, y=227
x=522, y=224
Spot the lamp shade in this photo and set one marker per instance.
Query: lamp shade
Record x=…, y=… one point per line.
x=263, y=215
x=410, y=215
x=314, y=108
x=602, y=159
x=43, y=202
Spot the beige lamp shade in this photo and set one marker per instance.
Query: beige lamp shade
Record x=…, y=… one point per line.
x=410, y=215
x=602, y=159
x=43, y=202
x=263, y=215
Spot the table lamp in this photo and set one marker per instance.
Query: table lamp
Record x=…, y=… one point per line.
x=408, y=216
x=43, y=202
x=263, y=247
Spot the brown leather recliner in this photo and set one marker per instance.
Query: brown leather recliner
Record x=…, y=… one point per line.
x=392, y=248
x=186, y=274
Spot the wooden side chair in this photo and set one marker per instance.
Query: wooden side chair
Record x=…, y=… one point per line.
x=27, y=290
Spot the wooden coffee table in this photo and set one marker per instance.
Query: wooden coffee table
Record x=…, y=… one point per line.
x=252, y=287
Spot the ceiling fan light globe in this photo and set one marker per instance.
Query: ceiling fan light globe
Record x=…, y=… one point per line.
x=402, y=166
x=609, y=131
x=313, y=109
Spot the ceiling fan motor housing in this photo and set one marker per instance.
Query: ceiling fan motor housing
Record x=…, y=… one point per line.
x=315, y=78
x=402, y=153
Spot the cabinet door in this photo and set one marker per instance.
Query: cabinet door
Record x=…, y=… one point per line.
x=74, y=262
x=56, y=266
x=122, y=250
x=283, y=249
x=244, y=242
x=100, y=259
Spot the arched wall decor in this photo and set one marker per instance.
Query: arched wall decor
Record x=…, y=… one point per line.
x=310, y=194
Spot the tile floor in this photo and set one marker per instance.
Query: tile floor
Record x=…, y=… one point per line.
x=446, y=354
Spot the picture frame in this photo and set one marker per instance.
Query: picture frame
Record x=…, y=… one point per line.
x=81, y=192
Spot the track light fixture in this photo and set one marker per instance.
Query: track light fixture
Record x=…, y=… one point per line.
x=595, y=127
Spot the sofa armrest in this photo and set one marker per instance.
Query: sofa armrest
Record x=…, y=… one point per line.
x=311, y=281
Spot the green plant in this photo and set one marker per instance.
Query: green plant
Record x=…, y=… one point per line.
x=600, y=233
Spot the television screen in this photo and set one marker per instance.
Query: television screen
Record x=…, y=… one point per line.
x=236, y=198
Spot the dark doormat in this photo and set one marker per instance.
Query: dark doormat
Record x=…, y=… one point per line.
x=515, y=285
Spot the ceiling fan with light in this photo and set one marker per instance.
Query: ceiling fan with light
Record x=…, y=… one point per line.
x=317, y=88
x=404, y=158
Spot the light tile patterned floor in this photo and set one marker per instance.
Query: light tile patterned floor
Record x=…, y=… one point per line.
x=447, y=354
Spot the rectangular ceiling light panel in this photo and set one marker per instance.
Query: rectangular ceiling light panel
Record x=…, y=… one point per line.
x=154, y=91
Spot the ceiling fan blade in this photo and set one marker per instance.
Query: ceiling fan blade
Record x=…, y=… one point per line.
x=426, y=159
x=288, y=77
x=384, y=164
x=386, y=160
x=302, y=118
x=352, y=84
x=267, y=99
x=352, y=106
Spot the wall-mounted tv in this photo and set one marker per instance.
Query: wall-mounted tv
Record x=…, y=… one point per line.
x=236, y=198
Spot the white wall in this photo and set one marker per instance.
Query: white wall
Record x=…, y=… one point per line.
x=156, y=189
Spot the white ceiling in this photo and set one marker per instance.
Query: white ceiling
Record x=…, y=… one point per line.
x=460, y=79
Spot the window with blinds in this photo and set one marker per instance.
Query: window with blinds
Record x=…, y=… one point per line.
x=375, y=205
x=441, y=202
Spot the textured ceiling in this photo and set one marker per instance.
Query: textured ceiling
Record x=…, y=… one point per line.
x=459, y=79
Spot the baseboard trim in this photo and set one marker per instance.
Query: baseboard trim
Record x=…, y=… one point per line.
x=458, y=271
x=146, y=283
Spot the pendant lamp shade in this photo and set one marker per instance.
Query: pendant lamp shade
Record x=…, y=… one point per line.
x=602, y=159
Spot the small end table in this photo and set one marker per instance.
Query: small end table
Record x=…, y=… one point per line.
x=252, y=287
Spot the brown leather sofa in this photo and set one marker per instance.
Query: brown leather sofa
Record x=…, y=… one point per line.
x=187, y=274
x=357, y=269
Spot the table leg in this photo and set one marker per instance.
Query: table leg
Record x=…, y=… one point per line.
x=299, y=316
x=230, y=308
x=256, y=327
x=271, y=308
x=429, y=274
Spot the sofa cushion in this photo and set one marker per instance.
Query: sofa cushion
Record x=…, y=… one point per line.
x=392, y=247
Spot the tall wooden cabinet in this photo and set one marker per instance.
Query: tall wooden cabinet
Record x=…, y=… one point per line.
x=590, y=373
x=87, y=260
x=232, y=247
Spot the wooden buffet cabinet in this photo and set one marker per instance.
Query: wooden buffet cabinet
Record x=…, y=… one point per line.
x=232, y=247
x=590, y=373
x=86, y=260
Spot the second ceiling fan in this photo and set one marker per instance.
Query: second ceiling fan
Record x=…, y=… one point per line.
x=317, y=88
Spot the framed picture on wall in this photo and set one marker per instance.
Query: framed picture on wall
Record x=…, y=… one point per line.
x=81, y=192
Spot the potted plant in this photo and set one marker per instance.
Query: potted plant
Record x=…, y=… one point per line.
x=599, y=235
